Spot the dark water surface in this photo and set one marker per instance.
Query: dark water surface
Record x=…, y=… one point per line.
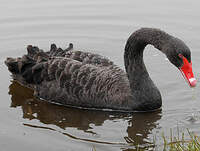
x=100, y=27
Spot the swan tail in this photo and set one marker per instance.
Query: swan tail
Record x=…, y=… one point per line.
x=26, y=70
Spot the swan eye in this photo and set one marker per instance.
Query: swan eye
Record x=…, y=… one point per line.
x=184, y=59
x=181, y=56
x=117, y=90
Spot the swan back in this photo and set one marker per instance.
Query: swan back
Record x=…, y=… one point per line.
x=68, y=81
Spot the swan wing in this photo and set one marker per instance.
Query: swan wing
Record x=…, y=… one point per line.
x=85, y=57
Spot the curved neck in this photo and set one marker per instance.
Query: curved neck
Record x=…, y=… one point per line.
x=142, y=87
x=133, y=55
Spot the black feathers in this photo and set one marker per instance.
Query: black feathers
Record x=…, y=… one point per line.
x=84, y=79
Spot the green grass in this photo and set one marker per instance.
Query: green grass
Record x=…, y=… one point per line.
x=93, y=149
x=179, y=143
x=173, y=143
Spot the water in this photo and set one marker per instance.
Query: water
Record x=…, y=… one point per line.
x=100, y=27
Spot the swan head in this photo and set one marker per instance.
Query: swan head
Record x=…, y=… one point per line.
x=179, y=54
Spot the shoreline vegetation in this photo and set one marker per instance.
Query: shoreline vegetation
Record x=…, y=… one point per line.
x=180, y=143
x=171, y=143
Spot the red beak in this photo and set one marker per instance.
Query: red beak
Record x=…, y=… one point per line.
x=187, y=73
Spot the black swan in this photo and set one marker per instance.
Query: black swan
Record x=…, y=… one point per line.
x=82, y=79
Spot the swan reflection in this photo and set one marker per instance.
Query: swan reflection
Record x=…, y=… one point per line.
x=140, y=125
